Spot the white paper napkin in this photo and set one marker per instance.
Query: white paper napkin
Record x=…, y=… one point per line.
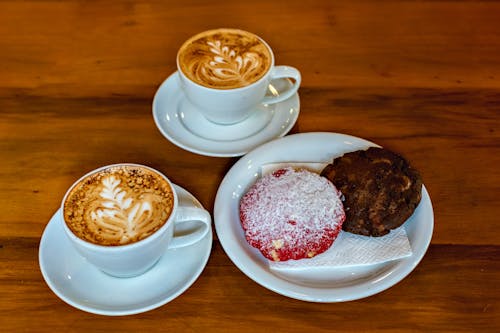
x=348, y=249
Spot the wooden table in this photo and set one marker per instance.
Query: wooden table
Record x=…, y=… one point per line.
x=419, y=77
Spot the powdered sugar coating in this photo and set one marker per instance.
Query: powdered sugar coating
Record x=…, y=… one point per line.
x=291, y=214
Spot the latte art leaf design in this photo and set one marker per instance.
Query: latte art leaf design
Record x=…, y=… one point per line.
x=224, y=58
x=226, y=66
x=119, y=217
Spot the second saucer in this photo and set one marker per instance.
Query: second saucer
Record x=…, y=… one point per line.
x=73, y=279
x=182, y=124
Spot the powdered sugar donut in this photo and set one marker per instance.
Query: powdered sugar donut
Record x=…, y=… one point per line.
x=291, y=214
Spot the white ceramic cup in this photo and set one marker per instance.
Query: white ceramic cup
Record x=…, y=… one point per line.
x=136, y=258
x=233, y=105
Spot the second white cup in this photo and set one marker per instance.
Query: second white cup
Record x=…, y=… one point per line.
x=123, y=225
x=226, y=73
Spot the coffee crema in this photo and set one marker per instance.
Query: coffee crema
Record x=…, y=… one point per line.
x=118, y=205
x=224, y=58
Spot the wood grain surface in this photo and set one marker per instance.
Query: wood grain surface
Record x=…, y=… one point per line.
x=419, y=77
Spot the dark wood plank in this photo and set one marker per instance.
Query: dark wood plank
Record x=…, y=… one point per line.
x=424, y=301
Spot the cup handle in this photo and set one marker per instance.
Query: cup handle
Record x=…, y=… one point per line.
x=190, y=214
x=280, y=72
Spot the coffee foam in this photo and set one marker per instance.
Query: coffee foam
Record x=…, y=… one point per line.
x=118, y=205
x=224, y=58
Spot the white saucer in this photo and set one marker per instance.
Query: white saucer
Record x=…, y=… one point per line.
x=181, y=123
x=85, y=287
x=342, y=284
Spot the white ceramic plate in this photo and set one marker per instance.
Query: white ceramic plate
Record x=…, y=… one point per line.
x=85, y=287
x=182, y=124
x=344, y=284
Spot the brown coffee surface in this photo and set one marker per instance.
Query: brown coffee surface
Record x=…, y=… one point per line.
x=118, y=205
x=224, y=58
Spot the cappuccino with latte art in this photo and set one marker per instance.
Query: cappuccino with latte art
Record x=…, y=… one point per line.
x=224, y=58
x=121, y=218
x=118, y=205
x=227, y=76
